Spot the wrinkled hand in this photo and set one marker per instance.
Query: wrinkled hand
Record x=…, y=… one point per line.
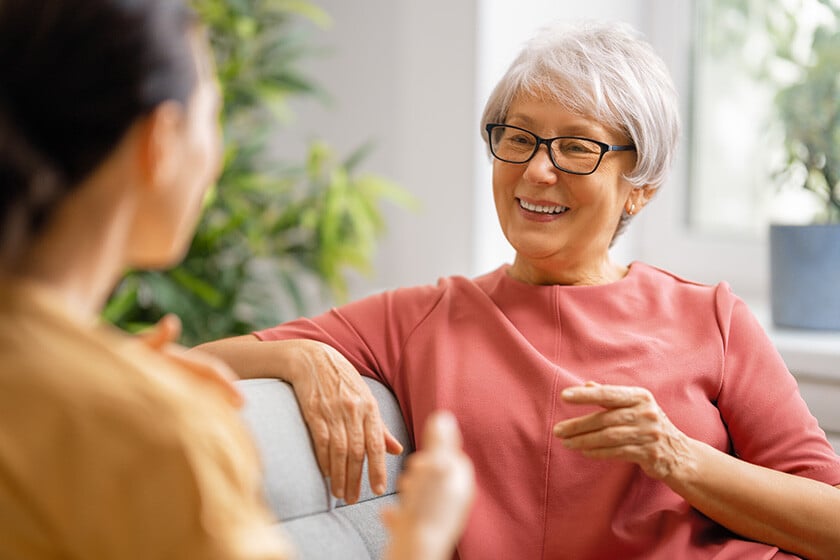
x=436, y=491
x=162, y=337
x=343, y=419
x=631, y=427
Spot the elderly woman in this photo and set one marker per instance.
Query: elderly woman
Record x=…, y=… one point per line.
x=114, y=446
x=611, y=410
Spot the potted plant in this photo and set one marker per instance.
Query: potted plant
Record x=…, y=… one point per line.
x=276, y=236
x=805, y=258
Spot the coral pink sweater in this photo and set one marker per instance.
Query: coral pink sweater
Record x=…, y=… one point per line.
x=497, y=353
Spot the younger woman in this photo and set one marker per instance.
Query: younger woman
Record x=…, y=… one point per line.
x=113, y=446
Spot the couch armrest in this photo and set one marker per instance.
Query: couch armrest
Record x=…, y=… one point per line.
x=319, y=525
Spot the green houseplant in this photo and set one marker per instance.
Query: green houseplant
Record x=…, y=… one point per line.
x=809, y=112
x=276, y=236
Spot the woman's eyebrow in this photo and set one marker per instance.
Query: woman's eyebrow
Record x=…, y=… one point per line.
x=587, y=131
x=518, y=117
x=575, y=129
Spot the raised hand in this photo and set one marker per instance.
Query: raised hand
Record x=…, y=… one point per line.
x=631, y=427
x=436, y=491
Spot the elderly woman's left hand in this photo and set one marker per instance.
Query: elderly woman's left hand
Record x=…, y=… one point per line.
x=631, y=427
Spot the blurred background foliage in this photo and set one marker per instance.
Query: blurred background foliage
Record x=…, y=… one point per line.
x=795, y=46
x=276, y=236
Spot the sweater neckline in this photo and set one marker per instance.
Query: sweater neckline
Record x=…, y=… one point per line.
x=505, y=280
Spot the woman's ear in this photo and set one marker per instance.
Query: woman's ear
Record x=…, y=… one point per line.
x=638, y=198
x=159, y=143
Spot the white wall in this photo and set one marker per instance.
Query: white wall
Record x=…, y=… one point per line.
x=402, y=73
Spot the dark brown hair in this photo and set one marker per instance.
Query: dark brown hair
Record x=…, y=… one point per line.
x=74, y=76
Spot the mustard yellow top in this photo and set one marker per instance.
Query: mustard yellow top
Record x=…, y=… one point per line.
x=107, y=450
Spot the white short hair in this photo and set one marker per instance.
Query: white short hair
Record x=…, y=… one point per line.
x=603, y=71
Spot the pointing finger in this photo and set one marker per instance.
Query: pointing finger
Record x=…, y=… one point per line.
x=608, y=396
x=441, y=432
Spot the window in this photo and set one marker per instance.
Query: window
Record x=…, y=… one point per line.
x=711, y=220
x=744, y=53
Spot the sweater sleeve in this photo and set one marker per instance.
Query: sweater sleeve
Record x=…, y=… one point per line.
x=370, y=332
x=769, y=423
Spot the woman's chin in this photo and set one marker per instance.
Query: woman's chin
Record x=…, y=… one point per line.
x=161, y=260
x=532, y=247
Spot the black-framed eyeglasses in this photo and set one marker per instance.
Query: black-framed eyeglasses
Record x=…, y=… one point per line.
x=572, y=154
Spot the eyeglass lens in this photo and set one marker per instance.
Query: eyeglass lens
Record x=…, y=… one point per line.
x=518, y=146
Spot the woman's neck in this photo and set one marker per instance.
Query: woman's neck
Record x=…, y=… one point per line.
x=550, y=272
x=81, y=254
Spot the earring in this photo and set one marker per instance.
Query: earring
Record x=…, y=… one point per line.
x=632, y=209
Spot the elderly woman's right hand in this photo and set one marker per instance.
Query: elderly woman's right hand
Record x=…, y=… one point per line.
x=343, y=418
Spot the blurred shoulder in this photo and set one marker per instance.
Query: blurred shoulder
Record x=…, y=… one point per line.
x=95, y=384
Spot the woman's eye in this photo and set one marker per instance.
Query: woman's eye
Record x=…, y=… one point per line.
x=521, y=139
x=577, y=147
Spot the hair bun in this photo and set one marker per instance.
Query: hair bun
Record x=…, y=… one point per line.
x=29, y=187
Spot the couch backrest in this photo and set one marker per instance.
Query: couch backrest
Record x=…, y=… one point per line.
x=320, y=526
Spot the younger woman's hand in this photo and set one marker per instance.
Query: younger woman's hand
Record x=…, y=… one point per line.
x=162, y=336
x=631, y=427
x=436, y=491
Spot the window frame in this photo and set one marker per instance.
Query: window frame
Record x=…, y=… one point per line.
x=701, y=256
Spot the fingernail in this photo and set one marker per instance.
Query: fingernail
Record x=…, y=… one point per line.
x=567, y=393
x=339, y=493
x=380, y=489
x=446, y=419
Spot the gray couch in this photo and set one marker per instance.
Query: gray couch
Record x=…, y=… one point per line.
x=320, y=526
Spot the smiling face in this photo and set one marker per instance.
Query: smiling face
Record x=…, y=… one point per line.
x=561, y=225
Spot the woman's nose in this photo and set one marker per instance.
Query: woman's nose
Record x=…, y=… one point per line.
x=539, y=170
